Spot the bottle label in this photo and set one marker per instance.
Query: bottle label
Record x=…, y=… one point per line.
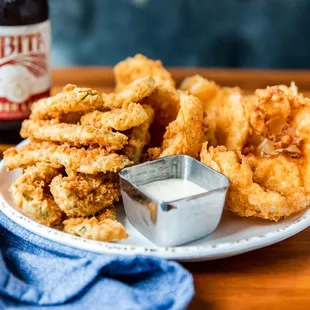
x=24, y=68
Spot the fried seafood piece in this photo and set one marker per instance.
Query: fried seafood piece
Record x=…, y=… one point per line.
x=30, y=193
x=128, y=116
x=164, y=100
x=84, y=195
x=204, y=89
x=133, y=92
x=282, y=111
x=249, y=195
x=232, y=118
x=139, y=137
x=75, y=135
x=102, y=227
x=282, y=174
x=89, y=161
x=139, y=66
x=185, y=134
x=71, y=99
x=227, y=115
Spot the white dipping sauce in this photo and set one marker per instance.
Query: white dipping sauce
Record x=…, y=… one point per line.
x=172, y=189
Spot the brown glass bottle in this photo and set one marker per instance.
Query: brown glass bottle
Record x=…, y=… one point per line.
x=24, y=62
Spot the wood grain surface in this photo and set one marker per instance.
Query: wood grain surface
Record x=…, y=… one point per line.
x=276, y=277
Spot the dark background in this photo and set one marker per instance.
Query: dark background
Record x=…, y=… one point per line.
x=217, y=33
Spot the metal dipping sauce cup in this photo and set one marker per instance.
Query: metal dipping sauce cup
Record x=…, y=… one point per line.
x=172, y=223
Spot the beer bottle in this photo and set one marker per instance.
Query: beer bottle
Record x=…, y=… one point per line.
x=24, y=62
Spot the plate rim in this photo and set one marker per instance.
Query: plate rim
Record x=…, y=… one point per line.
x=182, y=253
x=201, y=252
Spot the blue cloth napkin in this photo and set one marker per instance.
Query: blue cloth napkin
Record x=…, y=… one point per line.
x=36, y=273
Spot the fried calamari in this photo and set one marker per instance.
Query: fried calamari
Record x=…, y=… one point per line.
x=164, y=100
x=268, y=188
x=140, y=66
x=227, y=115
x=185, y=134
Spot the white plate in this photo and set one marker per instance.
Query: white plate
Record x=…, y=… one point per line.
x=233, y=236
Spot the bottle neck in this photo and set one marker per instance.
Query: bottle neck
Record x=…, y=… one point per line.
x=23, y=12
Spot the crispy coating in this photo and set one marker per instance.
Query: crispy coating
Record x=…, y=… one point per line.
x=202, y=88
x=164, y=100
x=232, y=119
x=279, y=122
x=102, y=227
x=71, y=99
x=75, y=135
x=128, y=116
x=84, y=195
x=139, y=137
x=30, y=193
x=70, y=118
x=133, y=92
x=277, y=107
x=89, y=161
x=227, y=113
x=139, y=66
x=185, y=134
x=107, y=213
x=206, y=90
x=254, y=194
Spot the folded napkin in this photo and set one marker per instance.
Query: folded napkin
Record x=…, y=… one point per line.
x=36, y=273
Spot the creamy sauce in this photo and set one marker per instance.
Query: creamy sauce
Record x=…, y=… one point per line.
x=172, y=189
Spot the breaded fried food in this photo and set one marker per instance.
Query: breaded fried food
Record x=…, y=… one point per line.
x=202, y=88
x=133, y=68
x=205, y=90
x=232, y=119
x=75, y=135
x=227, y=114
x=30, y=193
x=279, y=122
x=133, y=92
x=164, y=100
x=139, y=137
x=71, y=99
x=83, y=195
x=282, y=174
x=82, y=160
x=102, y=227
x=185, y=134
x=128, y=116
x=107, y=213
x=107, y=230
x=249, y=194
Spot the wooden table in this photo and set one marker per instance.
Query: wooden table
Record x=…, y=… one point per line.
x=277, y=277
